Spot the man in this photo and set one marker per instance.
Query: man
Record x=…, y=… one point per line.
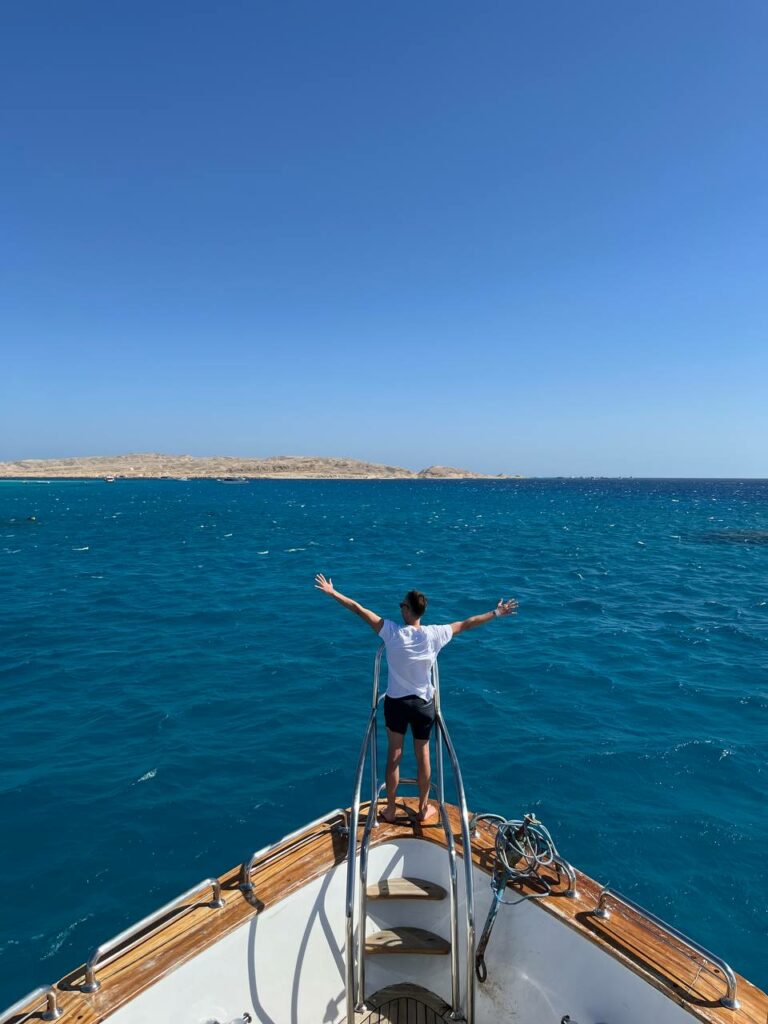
x=411, y=653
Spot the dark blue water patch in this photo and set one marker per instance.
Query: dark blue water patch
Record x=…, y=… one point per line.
x=176, y=691
x=759, y=537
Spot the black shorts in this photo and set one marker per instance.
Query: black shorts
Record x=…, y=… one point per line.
x=400, y=712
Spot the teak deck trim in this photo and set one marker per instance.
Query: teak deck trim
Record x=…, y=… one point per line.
x=641, y=946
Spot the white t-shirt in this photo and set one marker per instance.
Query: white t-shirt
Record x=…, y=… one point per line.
x=411, y=653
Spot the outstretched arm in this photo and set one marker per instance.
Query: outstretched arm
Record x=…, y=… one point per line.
x=326, y=585
x=502, y=608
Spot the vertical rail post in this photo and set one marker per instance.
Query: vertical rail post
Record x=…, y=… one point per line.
x=350, y=918
x=451, y=845
x=374, y=740
x=374, y=773
x=469, y=904
x=355, y=945
x=363, y=910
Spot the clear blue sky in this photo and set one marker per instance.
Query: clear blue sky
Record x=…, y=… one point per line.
x=517, y=237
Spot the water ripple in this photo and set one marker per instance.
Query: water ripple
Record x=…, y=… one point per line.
x=166, y=690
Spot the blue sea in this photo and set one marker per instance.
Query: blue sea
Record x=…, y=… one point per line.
x=175, y=693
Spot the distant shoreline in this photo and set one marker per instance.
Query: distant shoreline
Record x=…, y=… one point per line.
x=226, y=469
x=52, y=478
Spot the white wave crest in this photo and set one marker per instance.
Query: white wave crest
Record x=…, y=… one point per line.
x=62, y=937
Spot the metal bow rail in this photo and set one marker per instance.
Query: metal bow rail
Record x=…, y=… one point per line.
x=729, y=1000
x=52, y=1008
x=137, y=932
x=299, y=837
x=355, y=952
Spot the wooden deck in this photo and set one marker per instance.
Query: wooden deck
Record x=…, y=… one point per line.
x=403, y=1004
x=641, y=946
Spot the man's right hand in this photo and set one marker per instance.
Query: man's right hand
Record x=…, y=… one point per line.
x=321, y=583
x=326, y=585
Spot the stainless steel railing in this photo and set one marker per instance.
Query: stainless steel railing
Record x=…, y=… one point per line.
x=52, y=1008
x=466, y=842
x=453, y=878
x=567, y=868
x=355, y=951
x=354, y=817
x=292, y=841
x=136, y=932
x=729, y=1000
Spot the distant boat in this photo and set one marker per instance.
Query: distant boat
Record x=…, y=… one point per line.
x=109, y=479
x=231, y=479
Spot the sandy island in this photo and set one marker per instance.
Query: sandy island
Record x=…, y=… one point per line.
x=153, y=466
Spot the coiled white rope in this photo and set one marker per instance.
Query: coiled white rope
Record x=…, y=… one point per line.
x=523, y=847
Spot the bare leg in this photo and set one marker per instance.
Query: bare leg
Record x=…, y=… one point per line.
x=394, y=756
x=427, y=812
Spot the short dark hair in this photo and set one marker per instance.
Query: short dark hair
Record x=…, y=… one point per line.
x=417, y=602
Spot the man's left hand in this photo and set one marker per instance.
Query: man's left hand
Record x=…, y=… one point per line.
x=506, y=607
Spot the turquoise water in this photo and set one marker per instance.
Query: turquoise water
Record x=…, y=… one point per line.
x=175, y=694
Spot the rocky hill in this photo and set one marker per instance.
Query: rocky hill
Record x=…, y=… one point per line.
x=155, y=466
